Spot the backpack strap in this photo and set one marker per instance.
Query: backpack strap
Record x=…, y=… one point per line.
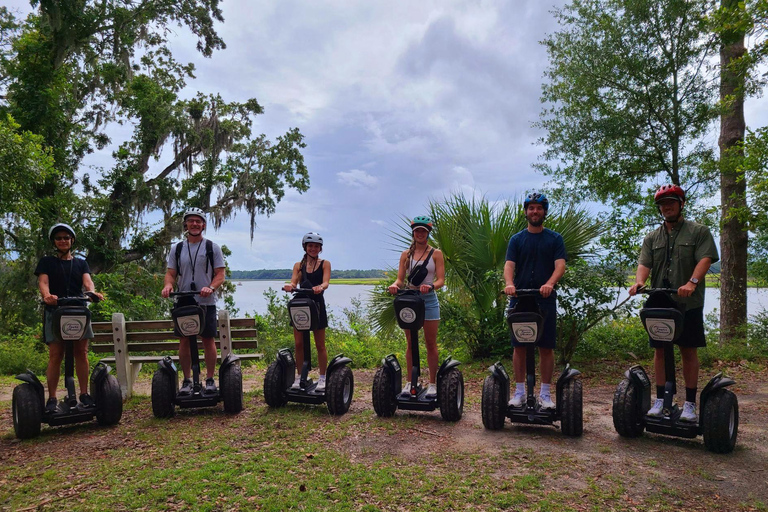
x=177, y=250
x=426, y=261
x=208, y=256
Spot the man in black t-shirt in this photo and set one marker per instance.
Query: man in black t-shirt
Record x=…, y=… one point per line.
x=62, y=276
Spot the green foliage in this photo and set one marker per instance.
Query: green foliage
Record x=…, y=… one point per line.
x=285, y=273
x=615, y=339
x=131, y=290
x=23, y=350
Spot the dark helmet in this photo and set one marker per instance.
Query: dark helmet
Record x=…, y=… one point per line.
x=311, y=237
x=669, y=192
x=61, y=227
x=537, y=198
x=422, y=221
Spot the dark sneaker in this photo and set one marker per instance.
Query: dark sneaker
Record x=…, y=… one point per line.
x=210, y=386
x=186, y=387
x=52, y=405
x=86, y=401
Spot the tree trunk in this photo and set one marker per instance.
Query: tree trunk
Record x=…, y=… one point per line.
x=733, y=189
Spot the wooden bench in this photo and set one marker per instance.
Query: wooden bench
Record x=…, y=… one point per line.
x=122, y=338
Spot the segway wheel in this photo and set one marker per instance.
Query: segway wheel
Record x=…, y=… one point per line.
x=341, y=385
x=720, y=422
x=27, y=411
x=492, y=404
x=232, y=389
x=452, y=395
x=163, y=394
x=274, y=386
x=383, y=394
x=109, y=402
x=571, y=417
x=627, y=416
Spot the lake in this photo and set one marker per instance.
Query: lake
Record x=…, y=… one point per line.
x=249, y=297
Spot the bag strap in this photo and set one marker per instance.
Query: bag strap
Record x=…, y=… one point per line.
x=178, y=257
x=208, y=256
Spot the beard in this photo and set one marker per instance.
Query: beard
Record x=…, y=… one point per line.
x=535, y=222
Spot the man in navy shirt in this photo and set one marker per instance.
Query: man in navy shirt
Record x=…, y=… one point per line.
x=535, y=259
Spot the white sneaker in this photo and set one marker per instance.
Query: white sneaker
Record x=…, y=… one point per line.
x=657, y=408
x=545, y=401
x=689, y=412
x=517, y=400
x=296, y=383
x=431, y=391
x=406, y=392
x=320, y=384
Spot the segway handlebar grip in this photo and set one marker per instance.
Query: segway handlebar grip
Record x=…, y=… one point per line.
x=643, y=289
x=184, y=294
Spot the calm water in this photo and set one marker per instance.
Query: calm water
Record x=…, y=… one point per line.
x=249, y=297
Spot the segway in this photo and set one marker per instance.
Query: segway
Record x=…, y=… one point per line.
x=387, y=386
x=71, y=320
x=718, y=421
x=189, y=321
x=526, y=322
x=278, y=381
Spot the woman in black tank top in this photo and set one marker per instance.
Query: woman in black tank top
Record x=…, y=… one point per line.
x=312, y=272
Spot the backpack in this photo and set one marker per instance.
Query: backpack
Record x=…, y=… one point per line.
x=208, y=256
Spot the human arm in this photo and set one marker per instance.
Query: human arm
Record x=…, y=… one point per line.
x=400, y=274
x=90, y=287
x=219, y=275
x=44, y=287
x=641, y=276
x=168, y=281
x=439, y=281
x=546, y=288
x=509, y=276
x=294, y=278
x=699, y=273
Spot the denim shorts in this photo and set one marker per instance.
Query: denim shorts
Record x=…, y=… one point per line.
x=431, y=306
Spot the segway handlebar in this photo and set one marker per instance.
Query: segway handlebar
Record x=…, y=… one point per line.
x=302, y=290
x=525, y=291
x=644, y=289
x=184, y=294
x=89, y=296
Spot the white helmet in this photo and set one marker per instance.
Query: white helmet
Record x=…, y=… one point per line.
x=61, y=227
x=311, y=237
x=197, y=212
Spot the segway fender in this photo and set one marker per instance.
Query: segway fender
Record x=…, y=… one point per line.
x=393, y=369
x=99, y=373
x=448, y=363
x=338, y=362
x=32, y=379
x=286, y=360
x=499, y=373
x=568, y=374
x=167, y=365
x=715, y=383
x=640, y=380
x=229, y=361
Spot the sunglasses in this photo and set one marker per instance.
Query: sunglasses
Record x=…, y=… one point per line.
x=62, y=238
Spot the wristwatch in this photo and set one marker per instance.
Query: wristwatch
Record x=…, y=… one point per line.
x=694, y=281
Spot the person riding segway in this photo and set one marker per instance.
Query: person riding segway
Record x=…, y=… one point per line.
x=335, y=385
x=66, y=331
x=197, y=277
x=417, y=306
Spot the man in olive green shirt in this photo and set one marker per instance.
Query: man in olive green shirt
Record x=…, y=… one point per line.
x=678, y=255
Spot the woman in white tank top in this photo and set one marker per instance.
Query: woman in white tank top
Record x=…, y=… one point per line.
x=420, y=251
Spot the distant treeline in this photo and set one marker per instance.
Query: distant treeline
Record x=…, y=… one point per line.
x=285, y=273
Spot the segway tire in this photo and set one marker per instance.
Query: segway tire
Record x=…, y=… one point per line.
x=491, y=405
x=383, y=394
x=274, y=386
x=27, y=413
x=720, y=424
x=109, y=402
x=163, y=394
x=338, y=391
x=571, y=412
x=627, y=416
x=232, y=389
x=452, y=395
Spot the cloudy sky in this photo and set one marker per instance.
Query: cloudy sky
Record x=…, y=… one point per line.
x=400, y=102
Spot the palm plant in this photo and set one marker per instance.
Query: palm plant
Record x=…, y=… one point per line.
x=473, y=234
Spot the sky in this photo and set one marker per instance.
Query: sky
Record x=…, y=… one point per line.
x=401, y=102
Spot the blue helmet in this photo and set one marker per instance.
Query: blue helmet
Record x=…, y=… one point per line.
x=538, y=198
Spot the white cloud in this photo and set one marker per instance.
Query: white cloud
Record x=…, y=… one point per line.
x=357, y=178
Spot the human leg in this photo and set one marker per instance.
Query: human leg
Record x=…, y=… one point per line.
x=55, y=356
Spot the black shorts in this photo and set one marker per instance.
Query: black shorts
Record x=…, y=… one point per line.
x=211, y=319
x=549, y=336
x=693, y=331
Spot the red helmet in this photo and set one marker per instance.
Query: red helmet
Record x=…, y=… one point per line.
x=669, y=191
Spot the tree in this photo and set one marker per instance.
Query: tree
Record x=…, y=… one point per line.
x=73, y=68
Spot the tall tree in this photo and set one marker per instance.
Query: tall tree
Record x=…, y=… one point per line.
x=733, y=185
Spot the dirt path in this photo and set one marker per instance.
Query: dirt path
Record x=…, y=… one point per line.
x=683, y=468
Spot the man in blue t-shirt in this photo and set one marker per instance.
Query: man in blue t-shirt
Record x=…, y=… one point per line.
x=535, y=259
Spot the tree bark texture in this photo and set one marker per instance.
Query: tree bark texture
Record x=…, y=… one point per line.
x=733, y=234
